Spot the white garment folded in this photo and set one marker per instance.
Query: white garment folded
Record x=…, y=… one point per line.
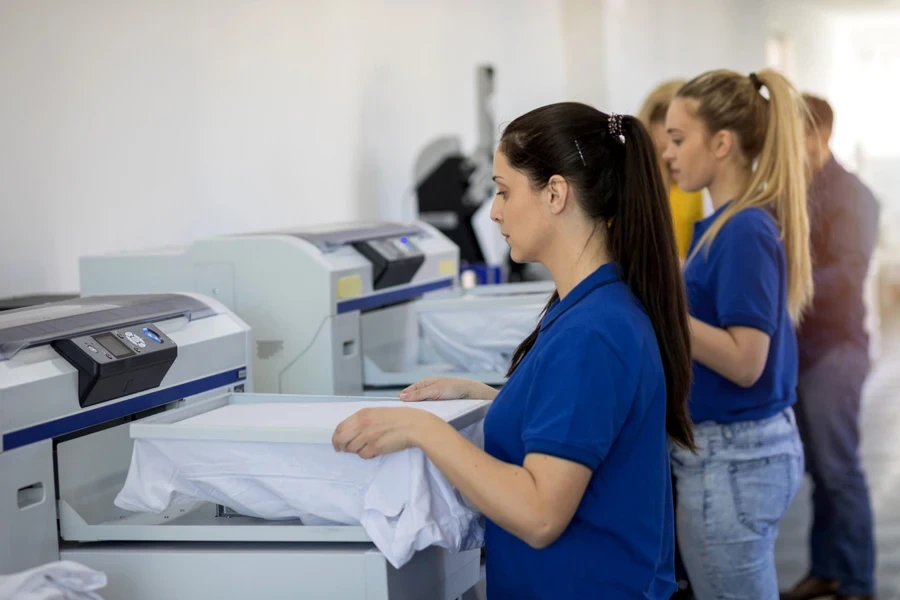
x=401, y=500
x=63, y=580
x=479, y=341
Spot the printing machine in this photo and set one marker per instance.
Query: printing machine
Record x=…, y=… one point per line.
x=334, y=310
x=74, y=377
x=32, y=300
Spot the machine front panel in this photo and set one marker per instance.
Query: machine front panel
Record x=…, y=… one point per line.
x=117, y=410
x=389, y=297
x=395, y=261
x=119, y=362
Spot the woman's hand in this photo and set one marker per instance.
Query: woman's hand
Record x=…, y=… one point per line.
x=447, y=388
x=373, y=432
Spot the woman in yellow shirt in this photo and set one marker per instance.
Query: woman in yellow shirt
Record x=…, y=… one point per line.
x=687, y=207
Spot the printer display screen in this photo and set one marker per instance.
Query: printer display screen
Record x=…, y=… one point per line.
x=112, y=345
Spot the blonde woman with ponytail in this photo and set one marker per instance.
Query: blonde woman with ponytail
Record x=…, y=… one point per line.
x=748, y=279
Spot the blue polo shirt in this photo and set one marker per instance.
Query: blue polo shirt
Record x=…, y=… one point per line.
x=592, y=390
x=742, y=281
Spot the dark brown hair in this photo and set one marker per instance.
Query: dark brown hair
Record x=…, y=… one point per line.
x=619, y=185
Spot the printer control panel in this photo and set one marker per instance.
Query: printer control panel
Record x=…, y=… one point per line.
x=395, y=248
x=124, y=343
x=395, y=261
x=119, y=362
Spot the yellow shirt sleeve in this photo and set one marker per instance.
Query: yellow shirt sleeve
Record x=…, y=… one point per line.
x=687, y=209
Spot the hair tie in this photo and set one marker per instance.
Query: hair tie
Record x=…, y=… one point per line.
x=756, y=82
x=615, y=127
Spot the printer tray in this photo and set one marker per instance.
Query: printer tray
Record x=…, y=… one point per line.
x=308, y=419
x=92, y=470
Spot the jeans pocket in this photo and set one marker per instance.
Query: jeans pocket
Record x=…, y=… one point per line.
x=763, y=489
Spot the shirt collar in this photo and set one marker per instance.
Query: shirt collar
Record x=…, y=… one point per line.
x=706, y=222
x=717, y=212
x=604, y=275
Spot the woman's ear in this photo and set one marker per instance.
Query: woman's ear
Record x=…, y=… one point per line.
x=722, y=142
x=558, y=189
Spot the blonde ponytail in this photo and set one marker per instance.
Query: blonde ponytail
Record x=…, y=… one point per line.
x=772, y=132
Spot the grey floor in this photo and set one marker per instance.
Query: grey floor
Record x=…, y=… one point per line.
x=881, y=459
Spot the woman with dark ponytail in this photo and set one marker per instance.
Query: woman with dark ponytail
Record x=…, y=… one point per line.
x=574, y=478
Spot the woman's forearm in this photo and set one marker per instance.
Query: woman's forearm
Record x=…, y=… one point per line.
x=739, y=356
x=506, y=494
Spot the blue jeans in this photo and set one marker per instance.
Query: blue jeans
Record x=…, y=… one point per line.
x=842, y=541
x=730, y=497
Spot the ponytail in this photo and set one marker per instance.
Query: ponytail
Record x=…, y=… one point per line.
x=772, y=132
x=781, y=175
x=528, y=343
x=620, y=185
x=642, y=241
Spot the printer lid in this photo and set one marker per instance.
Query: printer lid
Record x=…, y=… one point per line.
x=330, y=237
x=36, y=325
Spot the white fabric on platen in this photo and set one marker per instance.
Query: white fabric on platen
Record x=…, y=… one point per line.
x=62, y=580
x=479, y=341
x=401, y=500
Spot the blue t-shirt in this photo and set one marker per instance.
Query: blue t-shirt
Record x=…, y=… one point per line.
x=592, y=390
x=741, y=280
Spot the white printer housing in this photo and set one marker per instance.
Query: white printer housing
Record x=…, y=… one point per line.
x=334, y=310
x=303, y=292
x=74, y=377
x=43, y=413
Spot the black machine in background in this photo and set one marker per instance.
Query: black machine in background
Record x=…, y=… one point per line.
x=442, y=204
x=451, y=186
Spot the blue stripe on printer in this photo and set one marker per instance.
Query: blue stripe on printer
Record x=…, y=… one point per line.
x=116, y=410
x=391, y=297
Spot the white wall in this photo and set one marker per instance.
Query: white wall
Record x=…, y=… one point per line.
x=619, y=50
x=129, y=124
x=849, y=52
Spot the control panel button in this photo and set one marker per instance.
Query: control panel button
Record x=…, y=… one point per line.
x=109, y=356
x=135, y=339
x=92, y=349
x=152, y=335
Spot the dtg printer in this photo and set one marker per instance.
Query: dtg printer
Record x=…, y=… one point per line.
x=350, y=309
x=78, y=379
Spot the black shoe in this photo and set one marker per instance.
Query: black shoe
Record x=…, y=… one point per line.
x=812, y=588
